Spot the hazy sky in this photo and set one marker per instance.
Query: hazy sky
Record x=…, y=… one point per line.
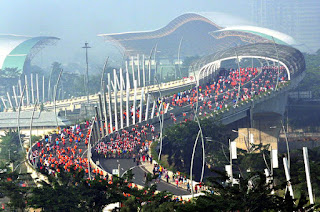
x=77, y=21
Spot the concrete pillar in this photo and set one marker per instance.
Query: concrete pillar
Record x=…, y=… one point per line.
x=37, y=86
x=143, y=71
x=127, y=102
x=153, y=109
x=9, y=98
x=101, y=115
x=134, y=102
x=4, y=103
x=20, y=90
x=138, y=58
x=127, y=76
x=115, y=91
x=32, y=89
x=27, y=88
x=133, y=74
x=98, y=121
x=147, y=108
x=105, y=107
x=149, y=72
x=121, y=99
x=15, y=95
x=109, y=103
x=43, y=98
x=141, y=104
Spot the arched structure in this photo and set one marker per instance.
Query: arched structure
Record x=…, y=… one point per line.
x=289, y=57
x=245, y=33
x=17, y=51
x=200, y=35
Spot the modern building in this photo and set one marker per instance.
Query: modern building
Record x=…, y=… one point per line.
x=16, y=51
x=43, y=122
x=297, y=18
x=191, y=34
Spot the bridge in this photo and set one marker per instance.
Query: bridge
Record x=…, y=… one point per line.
x=263, y=110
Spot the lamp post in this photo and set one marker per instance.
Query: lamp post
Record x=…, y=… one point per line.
x=87, y=74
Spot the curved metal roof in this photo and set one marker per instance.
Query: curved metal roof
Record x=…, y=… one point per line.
x=279, y=37
x=15, y=49
x=195, y=30
x=168, y=29
x=289, y=56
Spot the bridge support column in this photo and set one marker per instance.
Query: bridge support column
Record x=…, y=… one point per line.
x=134, y=102
x=121, y=99
x=109, y=103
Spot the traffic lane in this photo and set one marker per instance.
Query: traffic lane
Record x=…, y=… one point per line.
x=138, y=171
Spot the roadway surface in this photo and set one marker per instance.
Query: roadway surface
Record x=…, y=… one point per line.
x=139, y=171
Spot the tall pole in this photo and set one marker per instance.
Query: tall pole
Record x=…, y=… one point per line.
x=20, y=89
x=105, y=108
x=31, y=121
x=192, y=159
x=127, y=100
x=287, y=144
x=87, y=70
x=19, y=110
x=115, y=91
x=55, y=97
x=32, y=89
x=143, y=71
x=138, y=59
x=147, y=107
x=49, y=86
x=103, y=71
x=134, y=102
x=9, y=98
x=133, y=74
x=37, y=86
x=43, y=97
x=109, y=103
x=141, y=104
x=101, y=115
x=307, y=168
x=121, y=99
x=15, y=95
x=27, y=91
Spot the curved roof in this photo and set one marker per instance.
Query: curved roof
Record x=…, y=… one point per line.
x=190, y=27
x=279, y=37
x=16, y=49
x=168, y=29
x=289, y=56
x=195, y=32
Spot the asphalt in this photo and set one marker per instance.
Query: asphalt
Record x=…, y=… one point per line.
x=138, y=171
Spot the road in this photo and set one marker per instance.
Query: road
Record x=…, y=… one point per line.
x=138, y=171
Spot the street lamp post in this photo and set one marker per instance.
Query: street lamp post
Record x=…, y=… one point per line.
x=87, y=70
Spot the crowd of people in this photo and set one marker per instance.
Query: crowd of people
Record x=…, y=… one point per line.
x=65, y=149
x=127, y=143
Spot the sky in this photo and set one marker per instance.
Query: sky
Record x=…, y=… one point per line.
x=78, y=21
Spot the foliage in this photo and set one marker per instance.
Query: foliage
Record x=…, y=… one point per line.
x=10, y=147
x=178, y=143
x=251, y=194
x=11, y=187
x=312, y=79
x=9, y=73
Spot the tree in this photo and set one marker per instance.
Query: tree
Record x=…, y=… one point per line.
x=12, y=188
